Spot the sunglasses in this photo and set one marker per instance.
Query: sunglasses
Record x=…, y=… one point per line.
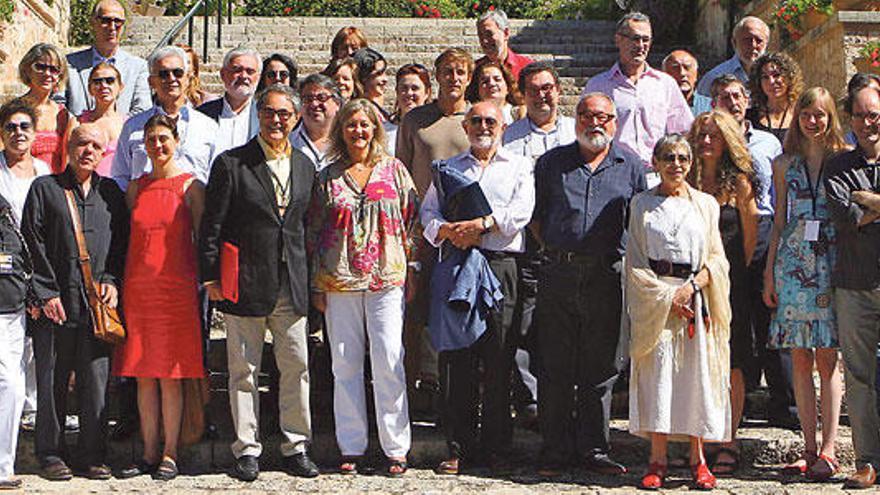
x=675, y=157
x=108, y=21
x=601, y=117
x=44, y=68
x=11, y=127
x=277, y=74
x=271, y=113
x=165, y=74
x=109, y=80
x=477, y=120
x=319, y=97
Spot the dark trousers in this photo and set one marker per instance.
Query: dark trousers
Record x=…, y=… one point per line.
x=460, y=378
x=58, y=350
x=579, y=305
x=525, y=383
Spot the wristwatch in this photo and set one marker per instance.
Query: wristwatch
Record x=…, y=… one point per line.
x=488, y=223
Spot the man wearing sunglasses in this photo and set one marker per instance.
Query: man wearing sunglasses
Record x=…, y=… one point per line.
x=107, y=23
x=648, y=101
x=235, y=113
x=169, y=79
x=321, y=100
x=506, y=181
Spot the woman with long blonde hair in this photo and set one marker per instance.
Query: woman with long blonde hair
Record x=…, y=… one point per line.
x=797, y=279
x=723, y=168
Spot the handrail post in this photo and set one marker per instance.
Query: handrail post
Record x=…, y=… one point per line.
x=219, y=22
x=189, y=34
x=205, y=33
x=229, y=11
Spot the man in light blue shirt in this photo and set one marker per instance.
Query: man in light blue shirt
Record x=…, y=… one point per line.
x=750, y=38
x=107, y=23
x=543, y=127
x=683, y=67
x=168, y=69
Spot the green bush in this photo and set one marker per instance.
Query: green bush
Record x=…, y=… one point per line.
x=80, y=34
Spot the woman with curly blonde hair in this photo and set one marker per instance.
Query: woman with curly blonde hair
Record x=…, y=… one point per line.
x=775, y=84
x=723, y=168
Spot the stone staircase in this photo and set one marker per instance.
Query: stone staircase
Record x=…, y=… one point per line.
x=579, y=49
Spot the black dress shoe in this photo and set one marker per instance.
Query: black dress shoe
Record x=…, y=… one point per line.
x=300, y=465
x=601, y=463
x=139, y=468
x=246, y=468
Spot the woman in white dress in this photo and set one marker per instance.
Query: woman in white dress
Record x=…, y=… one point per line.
x=677, y=299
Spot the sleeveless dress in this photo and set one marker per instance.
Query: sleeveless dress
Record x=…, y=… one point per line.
x=805, y=315
x=160, y=294
x=741, y=348
x=104, y=167
x=48, y=145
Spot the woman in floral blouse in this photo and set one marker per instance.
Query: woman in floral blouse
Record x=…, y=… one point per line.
x=364, y=209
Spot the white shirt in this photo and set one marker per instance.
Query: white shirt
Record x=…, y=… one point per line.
x=15, y=189
x=299, y=138
x=236, y=129
x=194, y=153
x=509, y=187
x=526, y=139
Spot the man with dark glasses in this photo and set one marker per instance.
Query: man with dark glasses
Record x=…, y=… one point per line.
x=108, y=24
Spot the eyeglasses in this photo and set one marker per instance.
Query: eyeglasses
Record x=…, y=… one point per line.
x=165, y=74
x=319, y=97
x=477, y=120
x=108, y=21
x=635, y=38
x=11, y=127
x=44, y=68
x=237, y=69
x=271, y=113
x=277, y=74
x=109, y=80
x=869, y=117
x=601, y=117
x=675, y=157
x=537, y=90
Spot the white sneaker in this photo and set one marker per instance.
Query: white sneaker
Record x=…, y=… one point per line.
x=28, y=421
x=71, y=423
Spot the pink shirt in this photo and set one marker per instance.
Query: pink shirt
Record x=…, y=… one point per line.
x=647, y=110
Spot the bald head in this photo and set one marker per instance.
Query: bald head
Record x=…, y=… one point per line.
x=682, y=66
x=484, y=124
x=107, y=23
x=86, y=147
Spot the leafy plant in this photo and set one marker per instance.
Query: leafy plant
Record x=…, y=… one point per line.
x=7, y=7
x=871, y=51
x=790, y=14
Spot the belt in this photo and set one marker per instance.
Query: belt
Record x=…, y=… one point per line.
x=666, y=268
x=498, y=255
x=573, y=257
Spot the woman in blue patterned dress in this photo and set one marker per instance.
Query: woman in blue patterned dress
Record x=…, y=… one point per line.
x=797, y=281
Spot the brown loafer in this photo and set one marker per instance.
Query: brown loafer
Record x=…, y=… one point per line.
x=10, y=484
x=99, y=472
x=450, y=466
x=865, y=477
x=57, y=471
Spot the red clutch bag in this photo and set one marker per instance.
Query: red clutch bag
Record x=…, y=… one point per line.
x=229, y=271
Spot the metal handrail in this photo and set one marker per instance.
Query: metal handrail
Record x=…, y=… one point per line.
x=187, y=20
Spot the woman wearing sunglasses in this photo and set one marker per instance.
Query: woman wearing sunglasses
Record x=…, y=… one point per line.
x=277, y=69
x=44, y=71
x=105, y=84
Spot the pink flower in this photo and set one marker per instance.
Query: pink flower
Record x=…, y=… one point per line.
x=376, y=191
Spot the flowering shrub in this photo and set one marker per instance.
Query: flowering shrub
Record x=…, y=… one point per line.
x=790, y=14
x=871, y=51
x=435, y=9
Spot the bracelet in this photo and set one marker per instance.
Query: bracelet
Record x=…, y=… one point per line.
x=695, y=286
x=415, y=265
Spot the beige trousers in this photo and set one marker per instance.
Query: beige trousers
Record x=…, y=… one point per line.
x=244, y=349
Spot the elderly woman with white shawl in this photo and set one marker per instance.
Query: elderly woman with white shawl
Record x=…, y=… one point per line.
x=677, y=292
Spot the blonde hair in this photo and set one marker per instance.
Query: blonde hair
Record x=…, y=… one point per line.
x=37, y=52
x=832, y=141
x=338, y=151
x=735, y=159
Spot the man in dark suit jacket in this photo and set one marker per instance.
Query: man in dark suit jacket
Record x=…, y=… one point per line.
x=256, y=200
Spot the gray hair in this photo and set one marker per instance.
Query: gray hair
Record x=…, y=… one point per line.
x=739, y=26
x=634, y=16
x=498, y=16
x=724, y=81
x=165, y=52
x=240, y=51
x=669, y=55
x=322, y=81
x=278, y=89
x=597, y=94
x=670, y=140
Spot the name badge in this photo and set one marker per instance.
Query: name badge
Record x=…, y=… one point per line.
x=811, y=231
x=6, y=264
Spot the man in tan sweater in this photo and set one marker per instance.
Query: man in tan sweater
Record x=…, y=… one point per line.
x=427, y=133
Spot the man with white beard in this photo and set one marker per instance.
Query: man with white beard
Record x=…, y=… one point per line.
x=235, y=112
x=582, y=193
x=506, y=180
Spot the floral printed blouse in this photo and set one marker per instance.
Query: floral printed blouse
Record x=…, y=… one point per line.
x=361, y=239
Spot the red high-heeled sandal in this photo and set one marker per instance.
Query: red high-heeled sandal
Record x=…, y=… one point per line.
x=653, y=479
x=703, y=478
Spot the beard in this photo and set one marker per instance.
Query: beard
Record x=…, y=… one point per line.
x=594, y=139
x=483, y=142
x=242, y=90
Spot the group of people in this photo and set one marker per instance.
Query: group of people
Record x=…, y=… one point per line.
x=700, y=234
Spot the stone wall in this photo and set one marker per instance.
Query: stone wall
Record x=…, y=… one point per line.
x=33, y=21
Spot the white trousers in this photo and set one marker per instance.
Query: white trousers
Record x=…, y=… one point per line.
x=354, y=320
x=12, y=369
x=30, y=377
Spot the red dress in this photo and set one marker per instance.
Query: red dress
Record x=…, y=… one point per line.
x=160, y=291
x=49, y=144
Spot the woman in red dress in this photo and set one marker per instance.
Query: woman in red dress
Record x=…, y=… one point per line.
x=160, y=296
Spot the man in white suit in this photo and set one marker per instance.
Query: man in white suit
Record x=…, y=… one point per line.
x=107, y=23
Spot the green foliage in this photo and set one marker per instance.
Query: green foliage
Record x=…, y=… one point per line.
x=80, y=33
x=572, y=9
x=7, y=7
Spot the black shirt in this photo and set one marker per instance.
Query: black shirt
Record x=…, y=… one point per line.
x=13, y=276
x=48, y=231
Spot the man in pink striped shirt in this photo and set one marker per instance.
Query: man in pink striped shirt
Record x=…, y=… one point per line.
x=649, y=103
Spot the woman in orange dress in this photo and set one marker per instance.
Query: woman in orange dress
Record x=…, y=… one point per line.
x=160, y=296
